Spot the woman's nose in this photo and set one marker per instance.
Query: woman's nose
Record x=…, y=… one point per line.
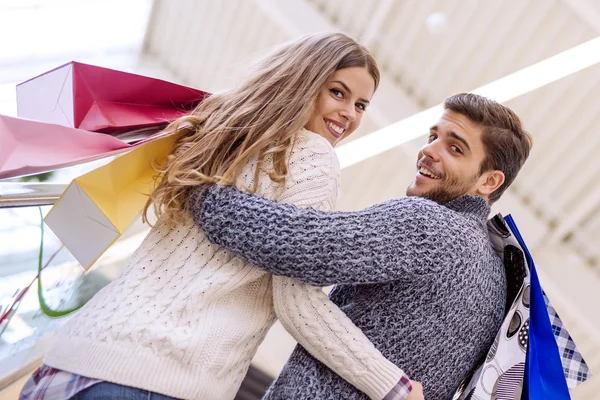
x=349, y=113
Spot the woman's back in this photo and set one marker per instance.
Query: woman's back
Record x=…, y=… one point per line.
x=186, y=317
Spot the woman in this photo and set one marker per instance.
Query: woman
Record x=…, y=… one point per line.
x=185, y=319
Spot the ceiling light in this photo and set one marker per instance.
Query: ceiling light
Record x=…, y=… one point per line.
x=509, y=87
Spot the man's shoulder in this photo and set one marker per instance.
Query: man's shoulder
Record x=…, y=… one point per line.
x=411, y=201
x=448, y=223
x=419, y=207
x=467, y=205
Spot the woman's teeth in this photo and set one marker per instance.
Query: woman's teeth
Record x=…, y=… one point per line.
x=335, y=128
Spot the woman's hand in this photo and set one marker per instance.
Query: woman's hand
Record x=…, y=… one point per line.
x=417, y=391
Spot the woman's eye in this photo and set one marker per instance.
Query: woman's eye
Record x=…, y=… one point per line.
x=361, y=106
x=337, y=93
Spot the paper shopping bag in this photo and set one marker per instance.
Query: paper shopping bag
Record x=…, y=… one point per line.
x=103, y=100
x=531, y=358
x=98, y=206
x=31, y=147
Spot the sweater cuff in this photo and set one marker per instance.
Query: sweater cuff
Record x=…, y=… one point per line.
x=401, y=390
x=198, y=198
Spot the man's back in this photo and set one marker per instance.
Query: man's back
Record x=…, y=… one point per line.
x=431, y=292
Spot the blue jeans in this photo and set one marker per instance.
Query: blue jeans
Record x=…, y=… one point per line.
x=109, y=391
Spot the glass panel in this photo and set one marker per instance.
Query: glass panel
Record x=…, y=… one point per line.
x=25, y=330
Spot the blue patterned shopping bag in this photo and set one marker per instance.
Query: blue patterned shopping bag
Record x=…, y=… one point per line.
x=544, y=377
x=533, y=356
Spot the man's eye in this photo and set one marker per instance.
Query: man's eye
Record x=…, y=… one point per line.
x=432, y=138
x=457, y=149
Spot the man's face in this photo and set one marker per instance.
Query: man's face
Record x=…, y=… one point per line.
x=448, y=166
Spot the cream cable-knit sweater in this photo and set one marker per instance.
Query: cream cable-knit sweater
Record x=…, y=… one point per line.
x=186, y=317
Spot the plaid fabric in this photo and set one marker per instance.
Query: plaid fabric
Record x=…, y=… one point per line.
x=401, y=390
x=48, y=383
x=575, y=367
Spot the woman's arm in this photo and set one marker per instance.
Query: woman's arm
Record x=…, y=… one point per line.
x=331, y=337
x=307, y=313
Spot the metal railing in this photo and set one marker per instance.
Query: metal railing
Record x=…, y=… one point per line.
x=26, y=194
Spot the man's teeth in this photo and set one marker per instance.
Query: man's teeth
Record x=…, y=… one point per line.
x=425, y=172
x=336, y=128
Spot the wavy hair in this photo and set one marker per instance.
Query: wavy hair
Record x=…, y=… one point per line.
x=260, y=117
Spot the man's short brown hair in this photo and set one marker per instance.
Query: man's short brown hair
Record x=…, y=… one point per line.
x=505, y=142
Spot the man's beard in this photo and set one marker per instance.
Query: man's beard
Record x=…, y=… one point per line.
x=452, y=189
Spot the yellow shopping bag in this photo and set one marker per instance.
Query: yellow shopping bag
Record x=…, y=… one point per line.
x=98, y=206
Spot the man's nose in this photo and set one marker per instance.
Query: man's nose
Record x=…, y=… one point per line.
x=431, y=150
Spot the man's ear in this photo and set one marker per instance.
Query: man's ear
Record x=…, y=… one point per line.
x=489, y=182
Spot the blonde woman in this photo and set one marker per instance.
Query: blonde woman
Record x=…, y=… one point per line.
x=186, y=317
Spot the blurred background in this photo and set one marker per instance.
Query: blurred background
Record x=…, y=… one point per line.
x=427, y=50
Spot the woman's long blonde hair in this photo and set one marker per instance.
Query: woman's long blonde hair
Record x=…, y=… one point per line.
x=261, y=117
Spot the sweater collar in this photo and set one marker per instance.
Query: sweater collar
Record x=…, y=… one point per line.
x=474, y=205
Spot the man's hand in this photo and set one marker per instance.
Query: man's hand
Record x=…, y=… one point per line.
x=417, y=391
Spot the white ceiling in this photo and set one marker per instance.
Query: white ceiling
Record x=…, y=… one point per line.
x=38, y=35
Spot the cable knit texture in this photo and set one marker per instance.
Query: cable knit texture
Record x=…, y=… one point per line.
x=186, y=317
x=420, y=279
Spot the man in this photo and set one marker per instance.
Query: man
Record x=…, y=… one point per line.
x=417, y=274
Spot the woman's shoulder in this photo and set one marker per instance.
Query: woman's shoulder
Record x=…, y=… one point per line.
x=312, y=150
x=313, y=139
x=313, y=160
x=310, y=158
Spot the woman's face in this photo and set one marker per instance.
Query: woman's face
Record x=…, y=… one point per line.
x=341, y=103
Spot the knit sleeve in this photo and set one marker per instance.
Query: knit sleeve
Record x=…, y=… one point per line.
x=385, y=242
x=331, y=337
x=307, y=313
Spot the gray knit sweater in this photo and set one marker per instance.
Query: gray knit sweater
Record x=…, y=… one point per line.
x=420, y=279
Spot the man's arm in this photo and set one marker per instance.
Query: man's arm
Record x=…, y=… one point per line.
x=393, y=240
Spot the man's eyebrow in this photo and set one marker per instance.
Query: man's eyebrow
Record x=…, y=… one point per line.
x=350, y=91
x=454, y=135
x=460, y=138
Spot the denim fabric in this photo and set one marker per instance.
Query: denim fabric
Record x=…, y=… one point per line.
x=108, y=391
